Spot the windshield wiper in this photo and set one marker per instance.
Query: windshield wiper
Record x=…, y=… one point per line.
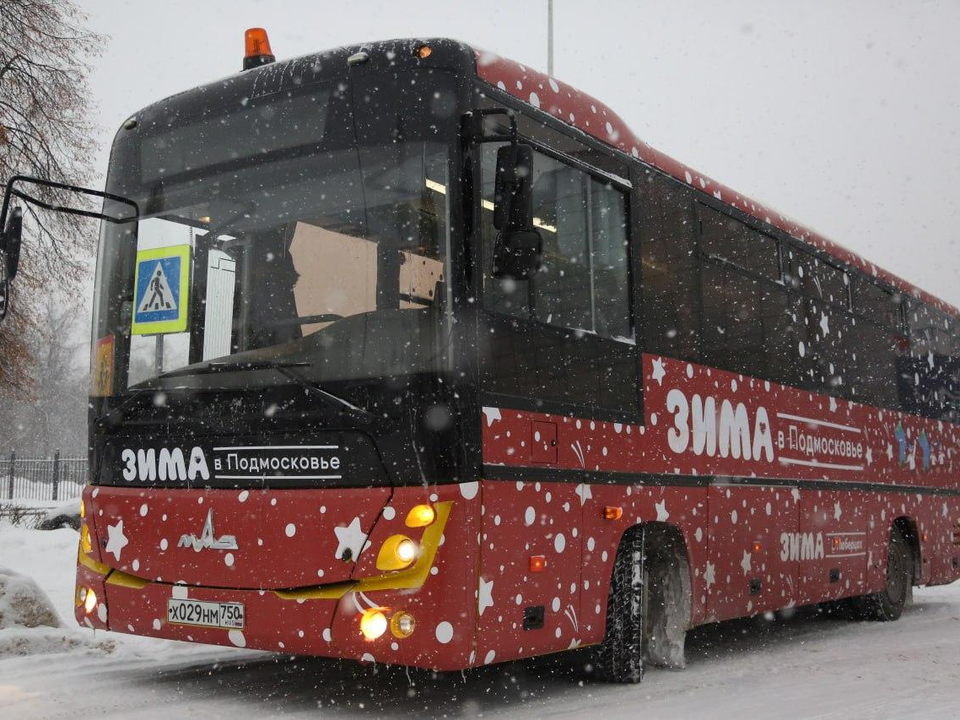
x=335, y=400
x=282, y=367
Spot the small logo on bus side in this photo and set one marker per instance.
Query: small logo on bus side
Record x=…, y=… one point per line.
x=207, y=538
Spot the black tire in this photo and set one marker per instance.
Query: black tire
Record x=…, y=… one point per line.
x=619, y=657
x=887, y=605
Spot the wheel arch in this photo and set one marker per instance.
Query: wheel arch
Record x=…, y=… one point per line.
x=663, y=542
x=908, y=528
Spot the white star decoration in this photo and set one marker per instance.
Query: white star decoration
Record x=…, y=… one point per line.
x=350, y=537
x=658, y=371
x=486, y=595
x=836, y=511
x=708, y=577
x=662, y=513
x=745, y=563
x=583, y=490
x=492, y=414
x=116, y=540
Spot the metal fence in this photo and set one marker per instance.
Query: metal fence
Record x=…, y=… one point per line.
x=49, y=480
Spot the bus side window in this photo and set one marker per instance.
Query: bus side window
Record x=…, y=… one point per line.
x=751, y=322
x=567, y=334
x=817, y=279
x=669, y=268
x=583, y=283
x=930, y=380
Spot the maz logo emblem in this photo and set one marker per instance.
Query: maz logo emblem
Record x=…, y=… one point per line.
x=207, y=539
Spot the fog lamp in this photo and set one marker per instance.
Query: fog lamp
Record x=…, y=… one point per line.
x=402, y=625
x=90, y=602
x=373, y=624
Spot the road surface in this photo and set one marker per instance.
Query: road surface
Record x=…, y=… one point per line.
x=809, y=666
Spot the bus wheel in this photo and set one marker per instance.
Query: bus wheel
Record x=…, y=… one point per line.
x=888, y=604
x=620, y=657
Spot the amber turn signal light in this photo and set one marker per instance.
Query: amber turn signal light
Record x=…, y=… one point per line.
x=420, y=516
x=538, y=563
x=423, y=52
x=612, y=513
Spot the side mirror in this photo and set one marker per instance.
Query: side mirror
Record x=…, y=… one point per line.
x=9, y=257
x=11, y=241
x=518, y=249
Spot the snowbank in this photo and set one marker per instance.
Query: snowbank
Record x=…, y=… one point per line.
x=30, y=623
x=23, y=603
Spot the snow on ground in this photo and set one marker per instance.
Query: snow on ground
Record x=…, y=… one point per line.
x=809, y=667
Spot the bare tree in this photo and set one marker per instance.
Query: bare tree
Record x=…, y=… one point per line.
x=46, y=132
x=54, y=416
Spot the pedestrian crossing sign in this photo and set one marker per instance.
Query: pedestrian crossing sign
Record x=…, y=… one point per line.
x=162, y=287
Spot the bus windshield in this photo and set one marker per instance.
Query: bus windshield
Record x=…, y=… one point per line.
x=299, y=229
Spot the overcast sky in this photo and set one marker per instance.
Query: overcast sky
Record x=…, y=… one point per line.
x=842, y=115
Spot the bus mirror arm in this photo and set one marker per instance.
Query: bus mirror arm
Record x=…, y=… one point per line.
x=62, y=190
x=475, y=126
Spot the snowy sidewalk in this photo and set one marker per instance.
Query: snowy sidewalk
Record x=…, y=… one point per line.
x=807, y=667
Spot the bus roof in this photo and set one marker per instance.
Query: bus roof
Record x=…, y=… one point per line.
x=588, y=114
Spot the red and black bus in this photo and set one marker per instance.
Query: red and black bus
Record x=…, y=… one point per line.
x=409, y=353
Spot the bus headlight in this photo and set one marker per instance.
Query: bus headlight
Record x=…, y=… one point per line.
x=406, y=551
x=373, y=623
x=397, y=552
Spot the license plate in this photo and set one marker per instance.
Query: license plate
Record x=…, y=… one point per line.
x=203, y=613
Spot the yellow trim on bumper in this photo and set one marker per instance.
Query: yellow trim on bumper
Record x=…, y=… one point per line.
x=92, y=564
x=410, y=579
x=414, y=577
x=123, y=579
